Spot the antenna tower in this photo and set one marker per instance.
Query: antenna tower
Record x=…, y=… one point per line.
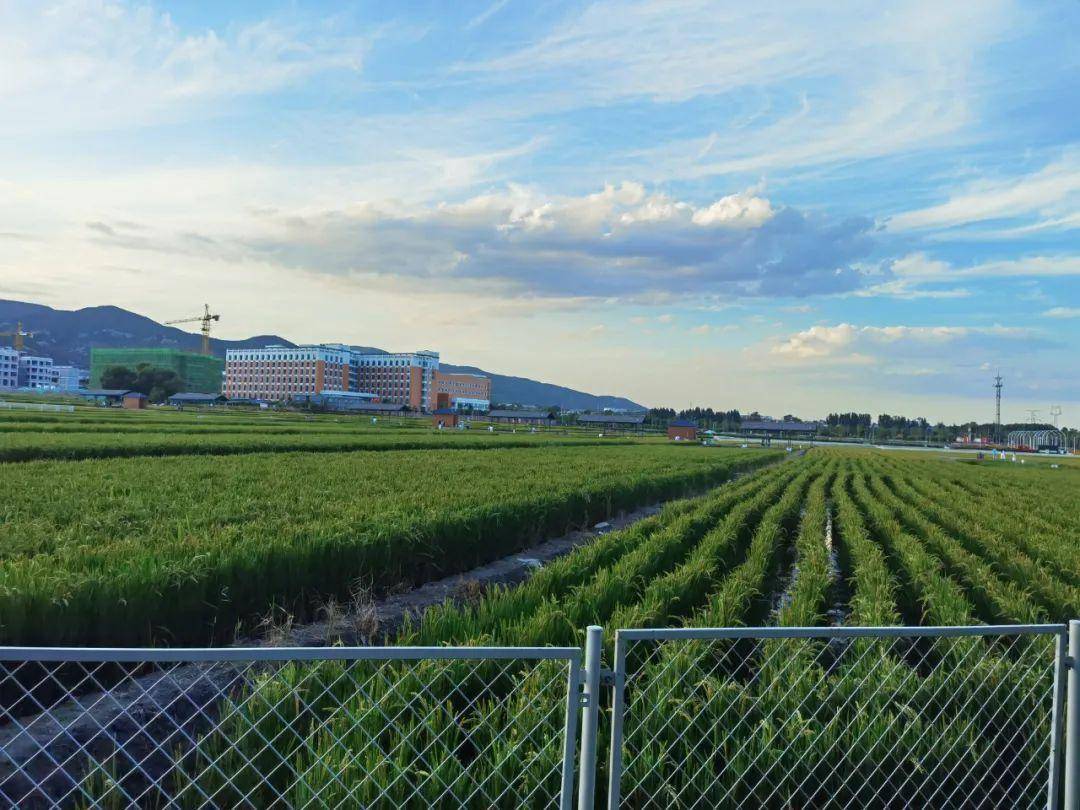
x=998, y=384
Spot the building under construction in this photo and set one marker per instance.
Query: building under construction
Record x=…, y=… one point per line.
x=201, y=373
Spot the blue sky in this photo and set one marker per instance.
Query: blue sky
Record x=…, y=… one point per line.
x=788, y=207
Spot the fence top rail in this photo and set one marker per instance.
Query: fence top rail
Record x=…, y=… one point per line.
x=252, y=654
x=707, y=633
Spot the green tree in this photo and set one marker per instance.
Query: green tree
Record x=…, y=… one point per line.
x=157, y=383
x=119, y=377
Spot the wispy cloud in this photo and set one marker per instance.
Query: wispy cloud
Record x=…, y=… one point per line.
x=880, y=83
x=1062, y=312
x=92, y=64
x=486, y=14
x=1050, y=195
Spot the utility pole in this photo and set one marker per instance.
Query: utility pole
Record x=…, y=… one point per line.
x=1033, y=415
x=998, y=383
x=1055, y=412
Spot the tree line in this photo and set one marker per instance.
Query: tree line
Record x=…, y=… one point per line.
x=849, y=425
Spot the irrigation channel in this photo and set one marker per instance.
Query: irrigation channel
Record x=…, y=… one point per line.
x=835, y=537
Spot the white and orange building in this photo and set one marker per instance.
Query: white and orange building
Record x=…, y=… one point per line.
x=281, y=373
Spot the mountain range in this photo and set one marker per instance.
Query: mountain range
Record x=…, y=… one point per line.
x=68, y=335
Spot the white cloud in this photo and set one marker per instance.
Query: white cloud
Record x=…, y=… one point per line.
x=1051, y=194
x=622, y=242
x=486, y=14
x=1062, y=312
x=735, y=210
x=919, y=276
x=848, y=343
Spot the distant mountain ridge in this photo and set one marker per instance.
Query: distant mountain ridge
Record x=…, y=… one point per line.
x=68, y=335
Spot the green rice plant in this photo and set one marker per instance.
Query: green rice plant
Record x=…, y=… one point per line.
x=873, y=600
x=500, y=611
x=26, y=447
x=997, y=600
x=679, y=593
x=184, y=550
x=806, y=602
x=1057, y=596
x=994, y=522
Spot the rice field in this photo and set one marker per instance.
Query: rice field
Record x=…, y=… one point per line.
x=174, y=549
x=192, y=548
x=837, y=537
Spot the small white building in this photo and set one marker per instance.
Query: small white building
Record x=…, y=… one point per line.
x=9, y=369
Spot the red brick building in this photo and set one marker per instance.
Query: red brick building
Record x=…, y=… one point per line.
x=682, y=430
x=445, y=418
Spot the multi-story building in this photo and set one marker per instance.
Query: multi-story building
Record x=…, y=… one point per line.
x=405, y=378
x=200, y=373
x=413, y=379
x=35, y=371
x=278, y=373
x=9, y=369
x=69, y=378
x=461, y=391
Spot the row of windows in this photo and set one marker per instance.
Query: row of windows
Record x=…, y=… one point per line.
x=366, y=361
x=291, y=357
x=283, y=364
x=272, y=378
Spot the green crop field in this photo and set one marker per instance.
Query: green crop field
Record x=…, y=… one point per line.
x=184, y=547
x=843, y=536
x=181, y=548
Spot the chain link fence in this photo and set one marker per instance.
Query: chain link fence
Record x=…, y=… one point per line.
x=768, y=717
x=843, y=717
x=337, y=727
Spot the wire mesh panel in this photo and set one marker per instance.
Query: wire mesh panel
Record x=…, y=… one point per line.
x=337, y=727
x=842, y=717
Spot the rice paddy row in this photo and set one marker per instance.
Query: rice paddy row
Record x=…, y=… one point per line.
x=183, y=550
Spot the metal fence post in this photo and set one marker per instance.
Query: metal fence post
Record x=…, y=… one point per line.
x=1057, y=718
x=594, y=638
x=1072, y=719
x=618, y=709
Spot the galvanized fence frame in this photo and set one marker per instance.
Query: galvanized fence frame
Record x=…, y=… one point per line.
x=252, y=660
x=588, y=681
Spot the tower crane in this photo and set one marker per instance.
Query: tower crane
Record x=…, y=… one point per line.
x=17, y=336
x=206, y=318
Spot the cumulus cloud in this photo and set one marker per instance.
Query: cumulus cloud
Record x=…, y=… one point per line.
x=622, y=241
